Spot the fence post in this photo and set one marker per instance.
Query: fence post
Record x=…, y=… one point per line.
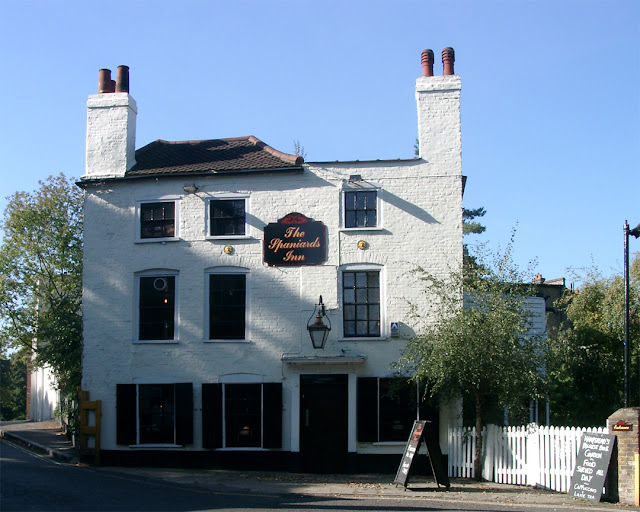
x=488, y=451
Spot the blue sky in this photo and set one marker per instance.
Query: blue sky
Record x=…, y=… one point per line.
x=550, y=99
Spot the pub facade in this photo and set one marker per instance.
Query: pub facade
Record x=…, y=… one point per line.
x=242, y=306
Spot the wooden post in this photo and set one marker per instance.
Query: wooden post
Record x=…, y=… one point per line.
x=87, y=431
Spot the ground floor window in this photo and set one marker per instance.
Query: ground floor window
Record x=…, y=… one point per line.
x=387, y=408
x=154, y=413
x=242, y=415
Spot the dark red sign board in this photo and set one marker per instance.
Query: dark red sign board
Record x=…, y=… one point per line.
x=295, y=240
x=623, y=426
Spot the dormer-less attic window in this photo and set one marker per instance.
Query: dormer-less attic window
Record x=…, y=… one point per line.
x=361, y=204
x=361, y=209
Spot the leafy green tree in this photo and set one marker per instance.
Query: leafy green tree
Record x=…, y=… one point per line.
x=471, y=226
x=13, y=388
x=585, y=357
x=41, y=278
x=485, y=347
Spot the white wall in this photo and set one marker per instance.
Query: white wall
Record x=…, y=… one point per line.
x=44, y=396
x=421, y=226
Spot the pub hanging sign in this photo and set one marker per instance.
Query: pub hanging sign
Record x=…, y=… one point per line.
x=295, y=240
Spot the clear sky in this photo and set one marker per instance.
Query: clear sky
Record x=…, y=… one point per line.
x=550, y=96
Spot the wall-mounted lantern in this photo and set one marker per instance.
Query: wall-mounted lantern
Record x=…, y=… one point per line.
x=318, y=329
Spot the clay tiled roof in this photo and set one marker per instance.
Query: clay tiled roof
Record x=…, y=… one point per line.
x=240, y=154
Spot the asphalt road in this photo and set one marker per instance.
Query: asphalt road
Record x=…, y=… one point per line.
x=31, y=482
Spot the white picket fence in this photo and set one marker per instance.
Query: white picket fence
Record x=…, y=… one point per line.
x=531, y=455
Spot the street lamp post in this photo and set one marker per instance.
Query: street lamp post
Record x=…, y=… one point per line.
x=635, y=232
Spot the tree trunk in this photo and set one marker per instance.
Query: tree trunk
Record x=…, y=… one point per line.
x=477, y=461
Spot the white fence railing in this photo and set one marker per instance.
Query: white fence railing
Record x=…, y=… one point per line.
x=532, y=455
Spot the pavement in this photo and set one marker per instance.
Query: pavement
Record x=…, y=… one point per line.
x=47, y=439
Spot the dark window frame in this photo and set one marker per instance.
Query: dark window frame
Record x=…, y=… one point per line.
x=214, y=414
x=157, y=307
x=158, y=220
x=227, y=220
x=361, y=209
x=131, y=420
x=361, y=303
x=227, y=305
x=386, y=409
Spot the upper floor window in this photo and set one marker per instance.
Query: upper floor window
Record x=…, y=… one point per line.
x=361, y=303
x=156, y=307
x=227, y=217
x=361, y=209
x=158, y=220
x=227, y=303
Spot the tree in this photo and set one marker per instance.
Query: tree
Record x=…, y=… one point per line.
x=13, y=388
x=469, y=225
x=484, y=347
x=41, y=278
x=585, y=357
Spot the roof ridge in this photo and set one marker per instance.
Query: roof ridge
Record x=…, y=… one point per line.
x=295, y=159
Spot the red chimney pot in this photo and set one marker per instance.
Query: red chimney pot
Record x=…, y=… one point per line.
x=104, y=81
x=427, y=63
x=448, y=58
x=122, y=79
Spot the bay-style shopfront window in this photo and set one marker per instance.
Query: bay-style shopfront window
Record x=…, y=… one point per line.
x=154, y=414
x=387, y=408
x=242, y=415
x=361, y=303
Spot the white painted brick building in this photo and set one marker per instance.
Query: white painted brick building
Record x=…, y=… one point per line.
x=197, y=347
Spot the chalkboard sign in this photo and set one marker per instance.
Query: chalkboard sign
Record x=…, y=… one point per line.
x=418, y=433
x=588, y=477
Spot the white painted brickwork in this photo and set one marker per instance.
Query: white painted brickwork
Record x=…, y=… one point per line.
x=420, y=210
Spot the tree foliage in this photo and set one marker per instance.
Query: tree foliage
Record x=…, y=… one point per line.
x=486, y=347
x=585, y=358
x=41, y=277
x=469, y=225
x=13, y=388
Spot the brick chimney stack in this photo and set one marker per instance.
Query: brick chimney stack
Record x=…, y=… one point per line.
x=438, y=102
x=111, y=126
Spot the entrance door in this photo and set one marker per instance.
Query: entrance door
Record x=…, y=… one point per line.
x=323, y=423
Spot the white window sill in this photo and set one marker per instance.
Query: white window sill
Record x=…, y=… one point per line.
x=156, y=240
x=389, y=443
x=155, y=446
x=348, y=230
x=156, y=342
x=228, y=237
x=365, y=338
x=226, y=341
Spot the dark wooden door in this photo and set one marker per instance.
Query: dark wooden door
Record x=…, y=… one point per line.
x=324, y=423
